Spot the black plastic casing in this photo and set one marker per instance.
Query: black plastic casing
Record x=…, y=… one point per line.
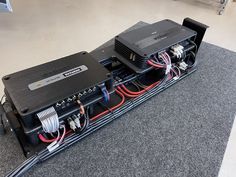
x=139, y=45
x=28, y=101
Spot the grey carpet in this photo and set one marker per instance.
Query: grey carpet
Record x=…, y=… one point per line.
x=182, y=132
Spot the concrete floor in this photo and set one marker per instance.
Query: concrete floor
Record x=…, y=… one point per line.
x=39, y=31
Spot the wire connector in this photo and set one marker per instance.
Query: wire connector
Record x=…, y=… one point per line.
x=51, y=147
x=77, y=122
x=177, y=50
x=183, y=65
x=176, y=78
x=72, y=124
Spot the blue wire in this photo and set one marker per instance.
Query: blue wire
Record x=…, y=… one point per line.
x=105, y=95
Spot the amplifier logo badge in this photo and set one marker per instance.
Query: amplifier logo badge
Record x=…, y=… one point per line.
x=57, y=77
x=75, y=71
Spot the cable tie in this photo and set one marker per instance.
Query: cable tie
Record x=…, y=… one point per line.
x=105, y=92
x=168, y=67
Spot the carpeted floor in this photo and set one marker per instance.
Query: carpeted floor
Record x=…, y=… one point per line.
x=182, y=132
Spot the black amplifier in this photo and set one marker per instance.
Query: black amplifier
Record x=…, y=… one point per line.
x=58, y=84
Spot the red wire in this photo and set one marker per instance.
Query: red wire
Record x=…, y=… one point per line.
x=150, y=62
x=63, y=135
x=133, y=94
x=120, y=92
x=127, y=94
x=43, y=139
x=111, y=109
x=139, y=92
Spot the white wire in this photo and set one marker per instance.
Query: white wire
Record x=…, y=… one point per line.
x=178, y=70
x=172, y=69
x=55, y=144
x=157, y=61
x=164, y=59
x=167, y=60
x=168, y=57
x=63, y=135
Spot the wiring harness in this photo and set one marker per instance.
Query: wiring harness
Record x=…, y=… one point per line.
x=95, y=124
x=64, y=134
x=162, y=62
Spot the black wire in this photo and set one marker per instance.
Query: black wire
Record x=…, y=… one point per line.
x=141, y=84
x=194, y=60
x=125, y=81
x=196, y=48
x=105, y=106
x=23, y=167
x=137, y=87
x=86, y=121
